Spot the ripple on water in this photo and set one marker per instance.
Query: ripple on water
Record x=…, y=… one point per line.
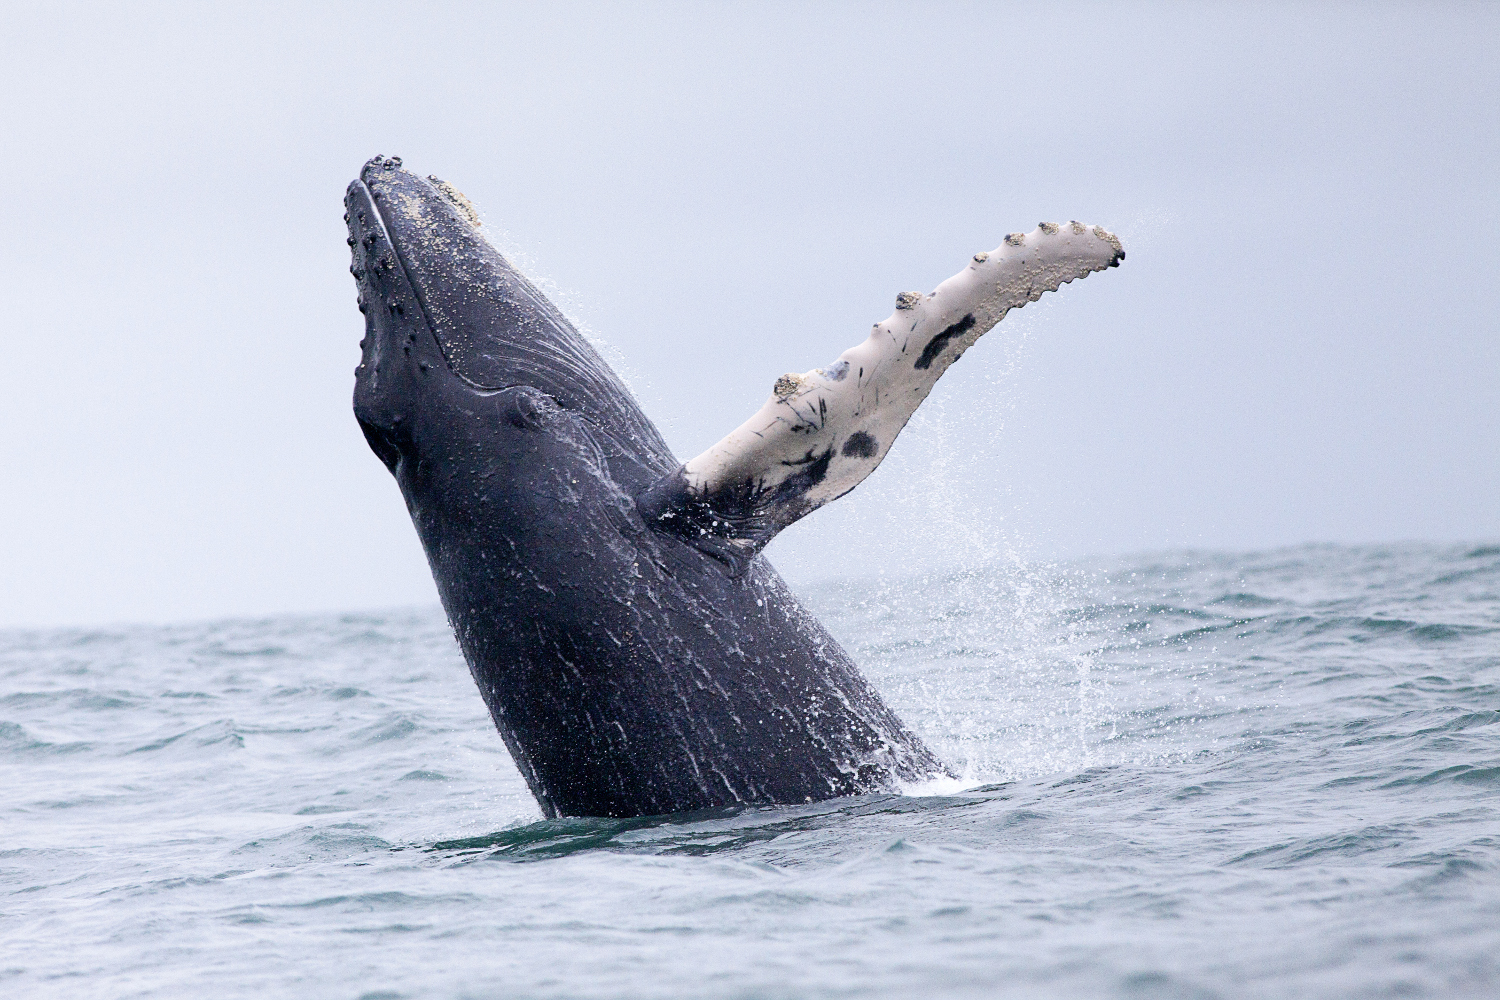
x=1190, y=774
x=219, y=734
x=16, y=741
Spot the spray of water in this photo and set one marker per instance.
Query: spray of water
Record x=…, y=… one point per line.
x=1009, y=664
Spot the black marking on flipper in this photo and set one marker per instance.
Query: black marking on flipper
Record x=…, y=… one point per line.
x=860, y=445
x=734, y=522
x=936, y=344
x=809, y=459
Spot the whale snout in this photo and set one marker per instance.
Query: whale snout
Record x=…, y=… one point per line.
x=381, y=171
x=478, y=312
x=398, y=355
x=379, y=163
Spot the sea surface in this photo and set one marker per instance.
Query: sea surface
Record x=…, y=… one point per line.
x=1193, y=774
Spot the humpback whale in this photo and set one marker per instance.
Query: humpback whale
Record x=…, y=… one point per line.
x=637, y=653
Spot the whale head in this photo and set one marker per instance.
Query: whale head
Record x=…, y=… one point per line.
x=455, y=334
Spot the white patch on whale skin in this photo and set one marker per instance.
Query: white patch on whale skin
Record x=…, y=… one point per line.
x=857, y=406
x=457, y=199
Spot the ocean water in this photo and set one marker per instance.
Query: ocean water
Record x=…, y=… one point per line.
x=1273, y=774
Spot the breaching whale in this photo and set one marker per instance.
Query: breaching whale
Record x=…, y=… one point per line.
x=637, y=653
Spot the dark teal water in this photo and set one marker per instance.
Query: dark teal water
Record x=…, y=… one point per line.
x=1263, y=775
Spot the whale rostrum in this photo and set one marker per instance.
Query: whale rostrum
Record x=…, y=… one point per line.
x=636, y=652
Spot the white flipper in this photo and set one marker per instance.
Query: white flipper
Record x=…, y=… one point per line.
x=824, y=431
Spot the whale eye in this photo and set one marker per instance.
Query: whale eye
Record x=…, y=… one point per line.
x=528, y=409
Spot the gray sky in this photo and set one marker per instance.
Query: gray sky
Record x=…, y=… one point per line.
x=1302, y=345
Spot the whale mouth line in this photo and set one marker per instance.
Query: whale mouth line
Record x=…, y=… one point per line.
x=411, y=283
x=416, y=291
x=359, y=183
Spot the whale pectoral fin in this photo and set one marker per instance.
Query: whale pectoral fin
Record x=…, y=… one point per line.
x=822, y=432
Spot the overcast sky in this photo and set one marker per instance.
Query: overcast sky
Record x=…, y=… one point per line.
x=1304, y=344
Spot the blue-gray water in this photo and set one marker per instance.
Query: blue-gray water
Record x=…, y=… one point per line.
x=1274, y=774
